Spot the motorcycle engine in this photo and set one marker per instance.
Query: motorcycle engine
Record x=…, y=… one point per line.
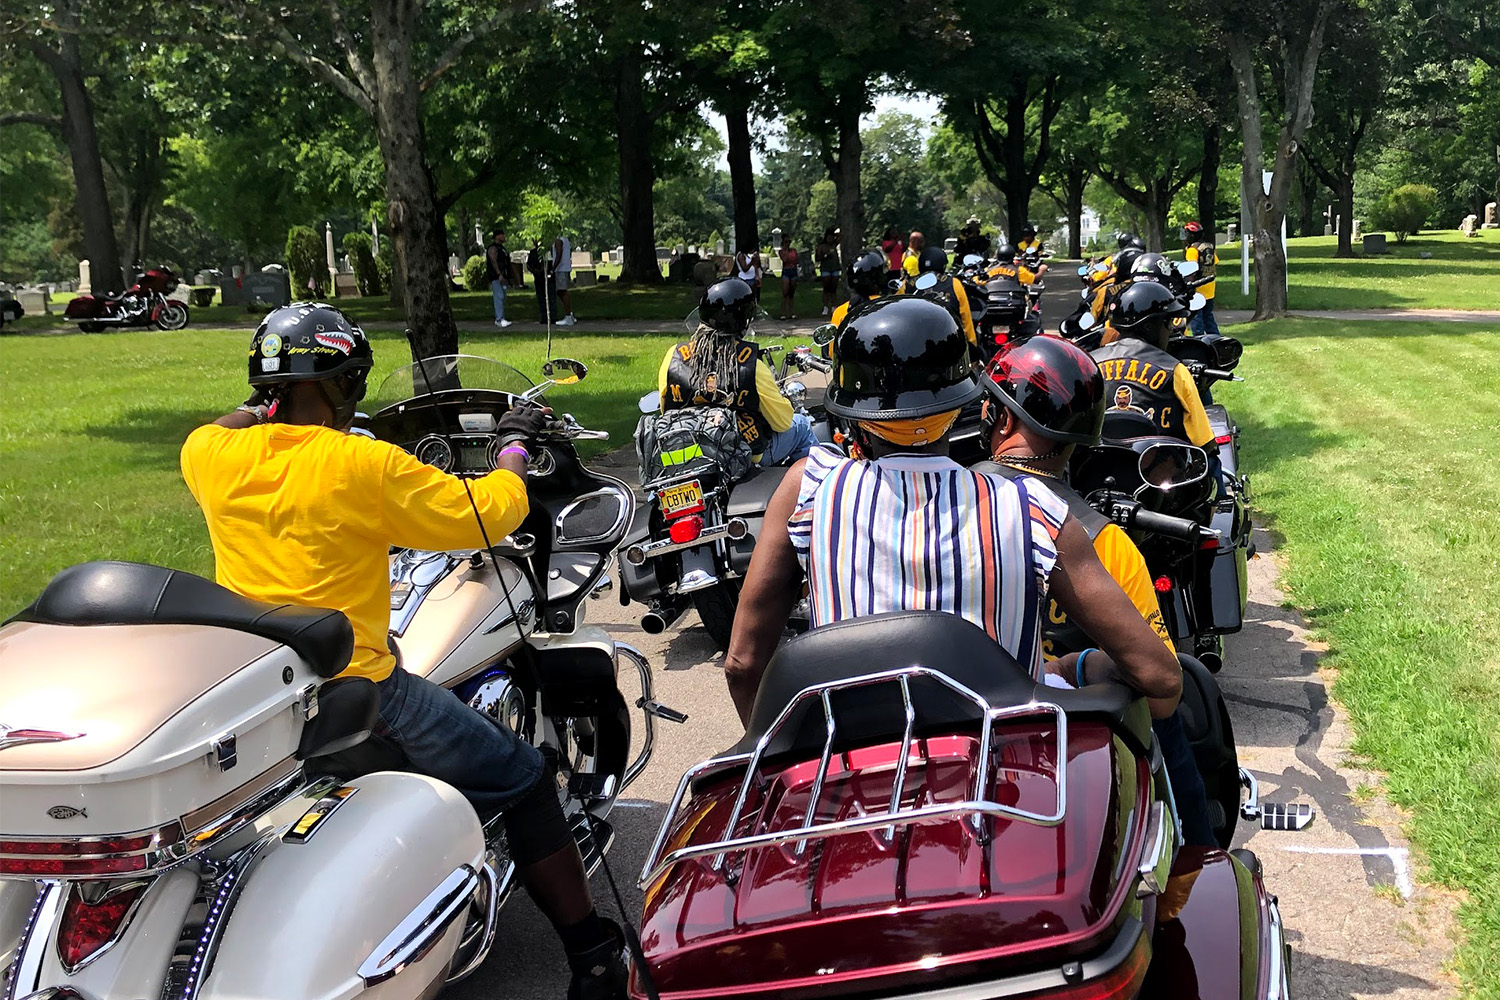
x=502, y=699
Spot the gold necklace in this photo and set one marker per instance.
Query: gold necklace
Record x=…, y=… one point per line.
x=1023, y=467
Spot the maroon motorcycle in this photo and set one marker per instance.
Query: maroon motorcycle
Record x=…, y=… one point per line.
x=910, y=814
x=143, y=304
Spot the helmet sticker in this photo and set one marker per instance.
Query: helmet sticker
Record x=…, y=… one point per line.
x=270, y=364
x=271, y=346
x=336, y=339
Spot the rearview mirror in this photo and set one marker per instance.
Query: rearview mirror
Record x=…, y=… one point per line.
x=1187, y=268
x=825, y=334
x=1228, y=350
x=1197, y=301
x=972, y=260
x=1168, y=466
x=565, y=371
x=925, y=281
x=650, y=402
x=1086, y=321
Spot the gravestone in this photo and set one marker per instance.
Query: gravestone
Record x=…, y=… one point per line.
x=345, y=285
x=1373, y=242
x=582, y=258
x=704, y=273
x=1491, y=216
x=454, y=264
x=1327, y=229
x=33, y=300
x=1232, y=233
x=583, y=277
x=85, y=287
x=719, y=248
x=1358, y=231
x=230, y=293
x=1470, y=225
x=270, y=288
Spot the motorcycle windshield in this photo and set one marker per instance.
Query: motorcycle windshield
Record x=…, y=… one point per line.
x=449, y=371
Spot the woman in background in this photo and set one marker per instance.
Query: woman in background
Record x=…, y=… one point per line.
x=788, y=255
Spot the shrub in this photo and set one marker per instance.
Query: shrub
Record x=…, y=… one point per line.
x=385, y=261
x=357, y=246
x=305, y=259
x=1405, y=209
x=476, y=275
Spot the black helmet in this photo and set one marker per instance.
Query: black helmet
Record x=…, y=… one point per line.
x=1124, y=261
x=1052, y=387
x=932, y=260
x=1129, y=240
x=1005, y=252
x=1155, y=267
x=1145, y=310
x=313, y=342
x=1028, y=230
x=901, y=357
x=726, y=306
x=867, y=274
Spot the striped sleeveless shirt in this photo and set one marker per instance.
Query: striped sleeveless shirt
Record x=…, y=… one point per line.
x=920, y=532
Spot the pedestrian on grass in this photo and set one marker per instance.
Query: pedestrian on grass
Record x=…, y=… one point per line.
x=562, y=277
x=788, y=255
x=894, y=250
x=497, y=264
x=541, y=277
x=826, y=255
x=747, y=267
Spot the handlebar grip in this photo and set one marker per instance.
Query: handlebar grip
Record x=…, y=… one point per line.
x=1163, y=524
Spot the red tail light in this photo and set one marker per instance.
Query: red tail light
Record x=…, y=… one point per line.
x=86, y=928
x=1123, y=982
x=1224, y=439
x=686, y=529
x=1162, y=584
x=1001, y=339
x=1208, y=544
x=99, y=856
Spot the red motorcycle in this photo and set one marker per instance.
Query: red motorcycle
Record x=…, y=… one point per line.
x=910, y=814
x=143, y=304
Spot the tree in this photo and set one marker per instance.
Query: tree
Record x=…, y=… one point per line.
x=899, y=191
x=1148, y=148
x=1406, y=209
x=1260, y=33
x=392, y=52
x=1067, y=177
x=55, y=37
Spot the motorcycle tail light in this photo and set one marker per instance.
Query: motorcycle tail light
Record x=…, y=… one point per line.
x=1001, y=339
x=94, y=856
x=1162, y=584
x=686, y=529
x=1224, y=439
x=85, y=928
x=1123, y=982
x=1208, y=544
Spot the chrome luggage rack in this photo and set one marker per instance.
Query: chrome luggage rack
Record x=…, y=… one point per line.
x=973, y=810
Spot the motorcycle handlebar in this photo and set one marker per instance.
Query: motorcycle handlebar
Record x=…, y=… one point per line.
x=1216, y=374
x=1162, y=524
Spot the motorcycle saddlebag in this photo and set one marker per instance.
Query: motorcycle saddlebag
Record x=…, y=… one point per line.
x=1227, y=579
x=83, y=307
x=678, y=441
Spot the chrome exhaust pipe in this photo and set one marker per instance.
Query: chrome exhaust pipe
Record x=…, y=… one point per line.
x=657, y=620
x=1213, y=661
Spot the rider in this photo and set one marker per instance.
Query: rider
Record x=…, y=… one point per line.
x=946, y=290
x=1140, y=375
x=1198, y=246
x=1030, y=248
x=719, y=367
x=866, y=284
x=301, y=512
x=1008, y=264
x=903, y=527
x=1051, y=399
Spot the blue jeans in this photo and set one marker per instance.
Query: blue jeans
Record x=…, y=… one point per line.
x=446, y=739
x=785, y=447
x=1187, y=784
x=497, y=289
x=1203, y=320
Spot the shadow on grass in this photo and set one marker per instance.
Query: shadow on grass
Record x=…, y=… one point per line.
x=155, y=433
x=1355, y=330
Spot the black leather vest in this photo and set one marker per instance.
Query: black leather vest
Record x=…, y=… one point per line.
x=1138, y=376
x=746, y=402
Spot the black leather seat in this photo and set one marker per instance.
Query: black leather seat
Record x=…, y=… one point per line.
x=933, y=639
x=126, y=593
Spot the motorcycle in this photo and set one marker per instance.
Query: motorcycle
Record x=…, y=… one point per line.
x=163, y=839
x=145, y=303
x=910, y=814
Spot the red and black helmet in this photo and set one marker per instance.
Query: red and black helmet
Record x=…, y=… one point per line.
x=1193, y=227
x=1051, y=386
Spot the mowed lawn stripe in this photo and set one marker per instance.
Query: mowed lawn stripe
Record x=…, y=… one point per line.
x=1373, y=451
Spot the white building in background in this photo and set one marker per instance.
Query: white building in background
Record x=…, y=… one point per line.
x=1088, y=228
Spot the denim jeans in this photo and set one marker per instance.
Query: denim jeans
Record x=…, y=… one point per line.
x=1203, y=320
x=1187, y=783
x=785, y=447
x=446, y=739
x=497, y=289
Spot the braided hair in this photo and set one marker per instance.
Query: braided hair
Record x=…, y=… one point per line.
x=714, y=365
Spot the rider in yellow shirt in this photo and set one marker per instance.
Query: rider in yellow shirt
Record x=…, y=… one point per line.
x=1199, y=247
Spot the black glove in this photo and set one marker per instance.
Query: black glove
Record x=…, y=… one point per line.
x=521, y=425
x=259, y=396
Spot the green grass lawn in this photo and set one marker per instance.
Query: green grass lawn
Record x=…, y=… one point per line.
x=1375, y=453
x=1461, y=274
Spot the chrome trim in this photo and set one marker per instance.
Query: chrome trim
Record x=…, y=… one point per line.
x=491, y=882
x=1250, y=808
x=648, y=697
x=974, y=810
x=1281, y=987
x=119, y=931
x=525, y=609
x=1155, y=862
x=28, y=736
x=421, y=929
x=31, y=951
x=325, y=806
x=59, y=993
x=735, y=528
x=627, y=505
x=404, y=570
x=224, y=749
x=202, y=932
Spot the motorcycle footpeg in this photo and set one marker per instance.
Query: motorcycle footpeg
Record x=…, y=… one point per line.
x=591, y=788
x=1293, y=817
x=660, y=711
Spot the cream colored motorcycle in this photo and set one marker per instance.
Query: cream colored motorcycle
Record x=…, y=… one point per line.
x=191, y=802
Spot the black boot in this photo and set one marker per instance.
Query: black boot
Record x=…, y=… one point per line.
x=600, y=973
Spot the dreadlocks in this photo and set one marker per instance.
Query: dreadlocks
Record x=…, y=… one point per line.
x=714, y=363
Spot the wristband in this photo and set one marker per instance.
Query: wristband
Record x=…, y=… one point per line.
x=1079, y=667
x=260, y=413
x=516, y=449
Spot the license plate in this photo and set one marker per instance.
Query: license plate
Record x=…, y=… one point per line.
x=682, y=499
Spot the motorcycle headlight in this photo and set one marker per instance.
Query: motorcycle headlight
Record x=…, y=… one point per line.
x=796, y=392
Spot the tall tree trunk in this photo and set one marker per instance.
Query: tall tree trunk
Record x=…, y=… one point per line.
x=1074, y=182
x=82, y=137
x=1018, y=184
x=846, y=182
x=416, y=227
x=1208, y=179
x=637, y=174
x=1345, y=209
x=1156, y=205
x=741, y=175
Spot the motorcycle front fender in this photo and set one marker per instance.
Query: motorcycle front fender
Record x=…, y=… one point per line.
x=1226, y=913
x=312, y=914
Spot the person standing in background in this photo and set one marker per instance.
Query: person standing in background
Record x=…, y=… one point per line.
x=915, y=244
x=894, y=250
x=789, y=275
x=1199, y=246
x=562, y=274
x=541, y=276
x=748, y=269
x=826, y=255
x=497, y=264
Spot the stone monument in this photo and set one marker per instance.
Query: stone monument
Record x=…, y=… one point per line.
x=1491, y=216
x=1357, y=232
x=85, y=287
x=333, y=264
x=1470, y=225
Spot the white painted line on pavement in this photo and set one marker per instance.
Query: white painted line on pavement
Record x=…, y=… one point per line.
x=1397, y=856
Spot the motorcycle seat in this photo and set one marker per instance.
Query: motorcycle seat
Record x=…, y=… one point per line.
x=127, y=593
x=934, y=639
x=752, y=494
